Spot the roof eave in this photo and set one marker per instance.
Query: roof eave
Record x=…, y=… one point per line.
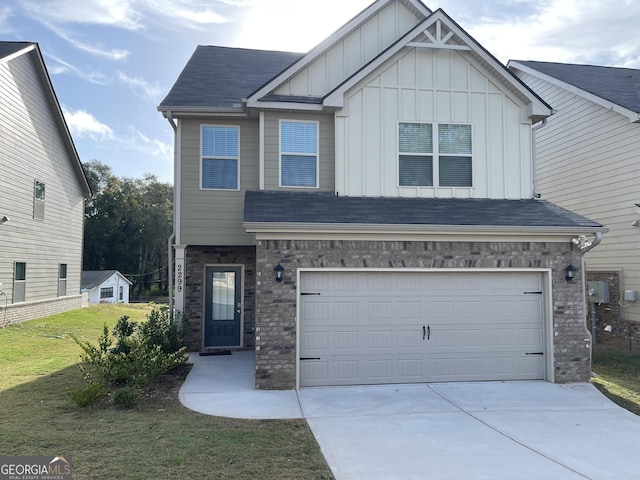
x=408, y=229
x=634, y=117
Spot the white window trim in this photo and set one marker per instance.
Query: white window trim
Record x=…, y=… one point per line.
x=21, y=282
x=201, y=157
x=280, y=153
x=435, y=155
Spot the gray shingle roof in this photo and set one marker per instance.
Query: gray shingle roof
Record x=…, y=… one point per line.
x=94, y=278
x=326, y=208
x=223, y=76
x=8, y=48
x=617, y=85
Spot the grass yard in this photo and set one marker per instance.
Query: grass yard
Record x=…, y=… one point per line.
x=618, y=376
x=159, y=439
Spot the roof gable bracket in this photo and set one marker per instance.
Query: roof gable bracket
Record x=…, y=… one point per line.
x=437, y=40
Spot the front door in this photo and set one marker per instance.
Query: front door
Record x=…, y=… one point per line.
x=223, y=307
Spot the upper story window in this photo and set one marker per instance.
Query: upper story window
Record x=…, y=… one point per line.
x=220, y=167
x=434, y=155
x=298, y=154
x=38, y=200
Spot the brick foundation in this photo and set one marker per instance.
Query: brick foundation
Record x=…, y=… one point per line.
x=276, y=302
x=21, y=312
x=196, y=258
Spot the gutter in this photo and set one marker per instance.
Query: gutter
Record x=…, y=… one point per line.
x=534, y=160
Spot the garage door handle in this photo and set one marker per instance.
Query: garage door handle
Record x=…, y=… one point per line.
x=426, y=331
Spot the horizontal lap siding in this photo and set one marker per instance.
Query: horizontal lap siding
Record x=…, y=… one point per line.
x=326, y=150
x=32, y=149
x=588, y=161
x=214, y=217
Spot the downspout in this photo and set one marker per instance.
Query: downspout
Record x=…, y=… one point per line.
x=588, y=336
x=534, y=169
x=172, y=237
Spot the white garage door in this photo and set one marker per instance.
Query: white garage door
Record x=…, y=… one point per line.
x=405, y=327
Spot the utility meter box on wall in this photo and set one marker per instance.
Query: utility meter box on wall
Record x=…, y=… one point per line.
x=598, y=291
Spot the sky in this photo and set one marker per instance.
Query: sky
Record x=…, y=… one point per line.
x=113, y=61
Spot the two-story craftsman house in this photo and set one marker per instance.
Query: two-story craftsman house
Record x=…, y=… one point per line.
x=364, y=213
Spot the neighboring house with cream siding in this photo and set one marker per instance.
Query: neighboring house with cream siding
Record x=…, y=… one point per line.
x=42, y=192
x=588, y=160
x=364, y=213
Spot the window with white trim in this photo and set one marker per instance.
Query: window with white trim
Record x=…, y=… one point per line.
x=38, y=200
x=434, y=155
x=298, y=154
x=19, y=281
x=220, y=157
x=62, y=280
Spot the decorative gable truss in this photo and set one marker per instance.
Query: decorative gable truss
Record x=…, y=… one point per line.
x=437, y=31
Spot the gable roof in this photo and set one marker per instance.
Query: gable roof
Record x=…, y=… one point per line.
x=317, y=210
x=615, y=85
x=94, y=278
x=220, y=77
x=10, y=50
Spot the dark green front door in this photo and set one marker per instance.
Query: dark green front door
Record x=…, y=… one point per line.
x=223, y=307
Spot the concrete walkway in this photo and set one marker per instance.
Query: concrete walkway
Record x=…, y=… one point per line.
x=490, y=430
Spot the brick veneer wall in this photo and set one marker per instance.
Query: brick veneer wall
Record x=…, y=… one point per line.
x=196, y=258
x=624, y=335
x=21, y=312
x=276, y=302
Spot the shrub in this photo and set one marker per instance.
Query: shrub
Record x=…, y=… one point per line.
x=142, y=354
x=126, y=397
x=83, y=397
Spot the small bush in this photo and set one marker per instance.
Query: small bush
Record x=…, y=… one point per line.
x=142, y=354
x=91, y=394
x=126, y=397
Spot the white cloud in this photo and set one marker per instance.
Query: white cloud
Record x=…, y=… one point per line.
x=288, y=25
x=60, y=66
x=5, y=15
x=140, y=85
x=189, y=11
x=84, y=125
x=117, y=13
x=158, y=148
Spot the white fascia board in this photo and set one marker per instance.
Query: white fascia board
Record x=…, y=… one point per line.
x=308, y=107
x=372, y=229
x=314, y=53
x=178, y=111
x=322, y=47
x=20, y=52
x=630, y=114
x=538, y=107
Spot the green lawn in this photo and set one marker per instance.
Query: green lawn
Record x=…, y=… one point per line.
x=160, y=439
x=618, y=376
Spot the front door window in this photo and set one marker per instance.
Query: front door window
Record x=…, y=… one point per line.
x=223, y=307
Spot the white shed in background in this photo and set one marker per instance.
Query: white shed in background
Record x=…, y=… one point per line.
x=106, y=286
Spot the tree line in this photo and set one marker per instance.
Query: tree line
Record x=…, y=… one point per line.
x=127, y=224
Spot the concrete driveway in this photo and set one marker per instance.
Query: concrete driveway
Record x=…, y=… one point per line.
x=462, y=431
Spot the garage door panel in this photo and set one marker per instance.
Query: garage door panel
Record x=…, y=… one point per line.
x=367, y=327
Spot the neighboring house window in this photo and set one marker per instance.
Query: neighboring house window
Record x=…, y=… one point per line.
x=298, y=154
x=220, y=158
x=434, y=155
x=106, y=292
x=38, y=200
x=19, y=281
x=121, y=294
x=62, y=280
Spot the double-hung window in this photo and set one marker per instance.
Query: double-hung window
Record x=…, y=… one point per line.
x=434, y=155
x=220, y=169
x=298, y=154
